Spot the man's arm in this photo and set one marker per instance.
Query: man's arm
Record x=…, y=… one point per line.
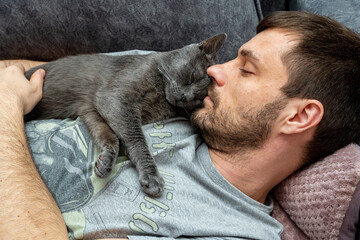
x=28, y=210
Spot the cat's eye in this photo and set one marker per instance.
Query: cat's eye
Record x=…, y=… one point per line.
x=192, y=79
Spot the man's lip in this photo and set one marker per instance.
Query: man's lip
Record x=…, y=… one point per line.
x=208, y=98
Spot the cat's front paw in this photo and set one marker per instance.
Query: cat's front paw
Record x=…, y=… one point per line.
x=105, y=162
x=152, y=185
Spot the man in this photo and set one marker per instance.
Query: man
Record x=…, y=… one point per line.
x=18, y=97
x=281, y=104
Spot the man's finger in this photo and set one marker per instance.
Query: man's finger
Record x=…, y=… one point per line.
x=36, y=81
x=37, y=78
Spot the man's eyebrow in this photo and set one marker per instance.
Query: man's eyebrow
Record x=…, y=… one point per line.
x=249, y=54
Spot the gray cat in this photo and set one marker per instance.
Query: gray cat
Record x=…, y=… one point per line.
x=116, y=95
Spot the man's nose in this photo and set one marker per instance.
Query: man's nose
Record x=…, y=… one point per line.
x=217, y=75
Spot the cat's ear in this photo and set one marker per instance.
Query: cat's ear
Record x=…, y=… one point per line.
x=212, y=45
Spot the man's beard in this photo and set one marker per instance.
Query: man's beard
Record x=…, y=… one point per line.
x=237, y=132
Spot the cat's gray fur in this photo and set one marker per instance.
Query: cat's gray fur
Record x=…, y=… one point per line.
x=116, y=95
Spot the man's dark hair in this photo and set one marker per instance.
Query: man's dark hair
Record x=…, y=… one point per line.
x=324, y=65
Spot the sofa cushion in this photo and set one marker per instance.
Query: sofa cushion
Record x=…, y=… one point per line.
x=269, y=6
x=347, y=12
x=47, y=30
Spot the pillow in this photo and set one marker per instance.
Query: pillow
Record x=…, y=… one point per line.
x=47, y=30
x=323, y=198
x=291, y=231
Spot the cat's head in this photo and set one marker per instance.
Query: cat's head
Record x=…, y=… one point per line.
x=184, y=72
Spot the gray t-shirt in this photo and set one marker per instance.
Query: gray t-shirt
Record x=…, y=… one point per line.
x=197, y=203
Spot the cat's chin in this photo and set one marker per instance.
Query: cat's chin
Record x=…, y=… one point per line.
x=189, y=105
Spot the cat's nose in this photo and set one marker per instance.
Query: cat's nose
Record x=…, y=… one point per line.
x=186, y=97
x=217, y=75
x=183, y=98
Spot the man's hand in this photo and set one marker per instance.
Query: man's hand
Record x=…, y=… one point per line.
x=14, y=84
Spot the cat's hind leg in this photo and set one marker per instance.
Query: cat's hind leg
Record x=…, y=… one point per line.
x=104, y=138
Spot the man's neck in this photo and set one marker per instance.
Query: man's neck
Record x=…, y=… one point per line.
x=256, y=172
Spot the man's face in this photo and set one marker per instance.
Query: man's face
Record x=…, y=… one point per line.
x=245, y=98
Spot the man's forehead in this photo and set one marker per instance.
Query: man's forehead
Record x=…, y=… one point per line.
x=269, y=42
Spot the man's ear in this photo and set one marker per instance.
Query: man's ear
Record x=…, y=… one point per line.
x=302, y=115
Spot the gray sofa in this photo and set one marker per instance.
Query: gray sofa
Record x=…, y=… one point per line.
x=310, y=204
